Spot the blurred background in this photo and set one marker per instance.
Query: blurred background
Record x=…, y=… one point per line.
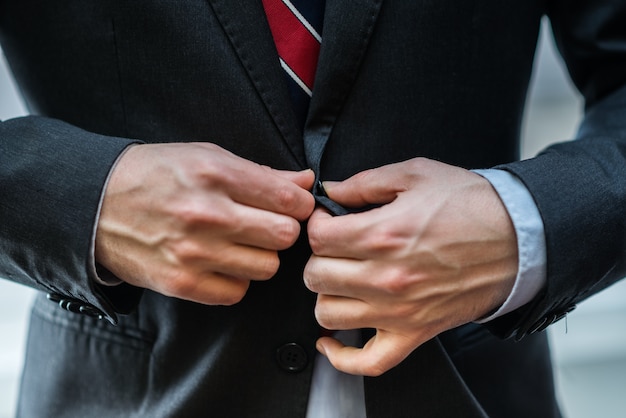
x=589, y=347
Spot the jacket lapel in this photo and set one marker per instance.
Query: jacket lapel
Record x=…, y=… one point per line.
x=246, y=27
x=348, y=26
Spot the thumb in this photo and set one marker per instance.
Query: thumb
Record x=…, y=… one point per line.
x=376, y=186
x=382, y=352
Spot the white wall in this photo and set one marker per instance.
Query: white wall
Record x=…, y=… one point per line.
x=14, y=299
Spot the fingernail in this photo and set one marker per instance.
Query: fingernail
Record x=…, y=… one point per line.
x=327, y=185
x=320, y=348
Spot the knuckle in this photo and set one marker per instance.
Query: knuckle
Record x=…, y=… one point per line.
x=189, y=285
x=309, y=283
x=316, y=238
x=268, y=266
x=385, y=239
x=182, y=251
x=415, y=168
x=286, y=233
x=308, y=205
x=210, y=174
x=296, y=202
x=311, y=276
x=418, y=163
x=321, y=315
x=215, y=216
x=193, y=211
x=235, y=293
x=314, y=243
x=287, y=200
x=375, y=370
x=181, y=285
x=396, y=281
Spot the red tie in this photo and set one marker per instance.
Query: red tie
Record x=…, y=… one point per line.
x=296, y=39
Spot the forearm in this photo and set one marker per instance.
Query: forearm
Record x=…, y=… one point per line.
x=529, y=231
x=52, y=177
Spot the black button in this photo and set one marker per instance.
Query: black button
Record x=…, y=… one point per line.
x=537, y=325
x=54, y=297
x=70, y=305
x=91, y=311
x=75, y=305
x=549, y=321
x=292, y=357
x=563, y=314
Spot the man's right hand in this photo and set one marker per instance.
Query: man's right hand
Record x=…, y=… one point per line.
x=196, y=222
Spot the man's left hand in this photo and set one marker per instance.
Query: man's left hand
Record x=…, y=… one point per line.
x=439, y=251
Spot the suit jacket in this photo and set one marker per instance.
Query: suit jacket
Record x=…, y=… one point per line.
x=396, y=79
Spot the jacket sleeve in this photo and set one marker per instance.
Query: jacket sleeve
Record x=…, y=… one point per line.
x=580, y=186
x=51, y=179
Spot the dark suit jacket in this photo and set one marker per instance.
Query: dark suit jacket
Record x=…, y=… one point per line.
x=397, y=79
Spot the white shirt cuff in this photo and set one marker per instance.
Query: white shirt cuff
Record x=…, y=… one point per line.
x=531, y=244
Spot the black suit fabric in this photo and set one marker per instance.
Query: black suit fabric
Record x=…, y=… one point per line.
x=397, y=79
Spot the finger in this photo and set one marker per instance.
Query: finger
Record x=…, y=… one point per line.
x=339, y=277
x=209, y=288
x=334, y=235
x=341, y=313
x=382, y=352
x=261, y=228
x=255, y=185
x=242, y=262
x=304, y=179
x=190, y=257
x=355, y=235
x=222, y=290
x=376, y=186
x=267, y=190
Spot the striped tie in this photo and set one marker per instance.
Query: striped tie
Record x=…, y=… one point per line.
x=296, y=27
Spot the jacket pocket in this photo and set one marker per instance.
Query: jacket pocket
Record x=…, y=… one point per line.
x=80, y=366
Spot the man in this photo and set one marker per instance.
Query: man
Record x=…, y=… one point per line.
x=165, y=185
